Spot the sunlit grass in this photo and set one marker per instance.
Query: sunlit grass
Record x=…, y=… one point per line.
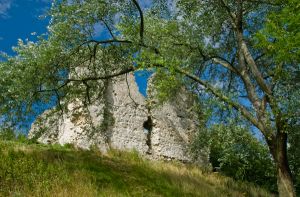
x=39, y=170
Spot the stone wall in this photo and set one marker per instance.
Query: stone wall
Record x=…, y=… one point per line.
x=123, y=119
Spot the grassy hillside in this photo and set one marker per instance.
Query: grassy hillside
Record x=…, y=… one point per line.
x=39, y=170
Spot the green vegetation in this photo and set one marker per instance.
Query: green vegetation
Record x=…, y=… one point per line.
x=243, y=53
x=235, y=152
x=40, y=170
x=294, y=154
x=280, y=37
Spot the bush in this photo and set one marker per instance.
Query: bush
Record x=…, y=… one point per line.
x=235, y=152
x=11, y=135
x=7, y=134
x=294, y=154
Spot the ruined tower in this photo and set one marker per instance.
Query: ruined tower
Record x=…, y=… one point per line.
x=124, y=120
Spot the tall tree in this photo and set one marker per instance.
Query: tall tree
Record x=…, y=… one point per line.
x=207, y=45
x=212, y=41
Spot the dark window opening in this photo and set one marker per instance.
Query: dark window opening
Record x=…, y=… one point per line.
x=147, y=129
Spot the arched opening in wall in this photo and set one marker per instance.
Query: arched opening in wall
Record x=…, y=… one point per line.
x=148, y=125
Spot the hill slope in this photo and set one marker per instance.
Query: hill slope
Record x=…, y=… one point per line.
x=39, y=170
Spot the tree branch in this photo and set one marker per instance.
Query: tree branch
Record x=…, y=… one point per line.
x=243, y=71
x=224, y=98
x=264, y=2
x=231, y=14
x=129, y=93
x=142, y=19
x=218, y=94
x=87, y=91
x=59, y=102
x=109, y=29
x=214, y=58
x=225, y=63
x=254, y=69
x=84, y=80
x=105, y=42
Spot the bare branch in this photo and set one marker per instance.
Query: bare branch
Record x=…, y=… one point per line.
x=141, y=18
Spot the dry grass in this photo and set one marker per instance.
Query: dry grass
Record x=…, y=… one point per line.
x=38, y=170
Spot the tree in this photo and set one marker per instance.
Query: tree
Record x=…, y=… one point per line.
x=235, y=152
x=207, y=45
x=294, y=153
x=218, y=35
x=280, y=36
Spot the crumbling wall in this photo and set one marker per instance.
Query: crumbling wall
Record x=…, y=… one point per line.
x=123, y=120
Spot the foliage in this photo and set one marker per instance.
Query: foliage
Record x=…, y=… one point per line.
x=294, y=152
x=281, y=35
x=39, y=73
x=236, y=153
x=166, y=85
x=7, y=134
x=210, y=46
x=39, y=170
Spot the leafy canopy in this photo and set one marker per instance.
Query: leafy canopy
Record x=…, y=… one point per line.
x=237, y=51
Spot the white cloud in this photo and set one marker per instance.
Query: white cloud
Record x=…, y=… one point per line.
x=5, y=5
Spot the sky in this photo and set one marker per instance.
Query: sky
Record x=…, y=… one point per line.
x=22, y=19
x=18, y=20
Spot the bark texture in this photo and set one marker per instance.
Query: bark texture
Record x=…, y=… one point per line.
x=284, y=178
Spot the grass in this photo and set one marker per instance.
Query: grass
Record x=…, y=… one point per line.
x=40, y=170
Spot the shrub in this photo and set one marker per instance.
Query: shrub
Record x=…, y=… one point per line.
x=235, y=152
x=7, y=134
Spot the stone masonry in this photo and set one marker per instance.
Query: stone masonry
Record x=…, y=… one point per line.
x=124, y=120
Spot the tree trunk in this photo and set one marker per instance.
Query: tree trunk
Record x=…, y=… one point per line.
x=284, y=182
x=284, y=177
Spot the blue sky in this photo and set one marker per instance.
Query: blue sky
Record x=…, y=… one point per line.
x=20, y=18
